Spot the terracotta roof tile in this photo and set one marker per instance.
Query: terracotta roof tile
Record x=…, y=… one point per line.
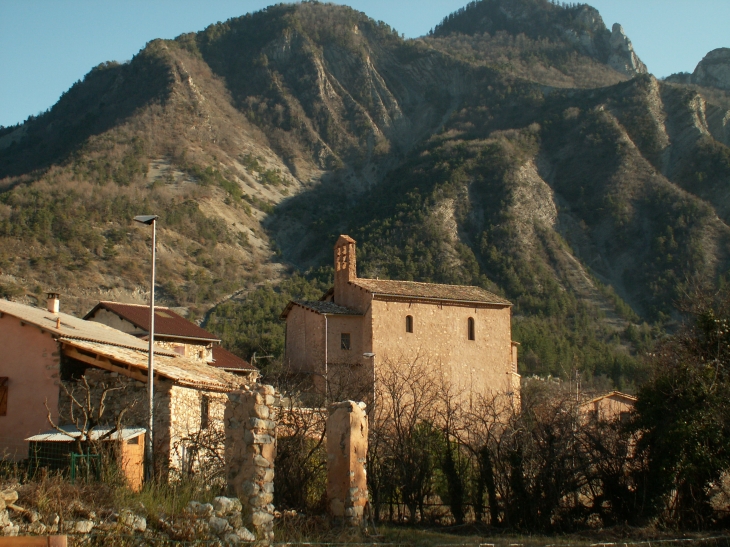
x=121, y=347
x=182, y=371
x=167, y=322
x=432, y=291
x=222, y=358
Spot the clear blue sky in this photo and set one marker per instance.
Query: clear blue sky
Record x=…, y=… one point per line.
x=47, y=45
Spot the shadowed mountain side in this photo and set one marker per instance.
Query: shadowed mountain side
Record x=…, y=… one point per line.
x=499, y=179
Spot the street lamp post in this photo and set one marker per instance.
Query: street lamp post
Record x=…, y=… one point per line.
x=149, y=454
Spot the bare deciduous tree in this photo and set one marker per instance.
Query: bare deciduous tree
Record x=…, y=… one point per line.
x=87, y=411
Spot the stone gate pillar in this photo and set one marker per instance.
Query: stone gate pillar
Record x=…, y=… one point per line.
x=347, y=447
x=250, y=424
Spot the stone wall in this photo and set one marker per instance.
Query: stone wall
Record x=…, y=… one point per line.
x=440, y=339
x=200, y=352
x=196, y=432
x=250, y=425
x=181, y=445
x=347, y=447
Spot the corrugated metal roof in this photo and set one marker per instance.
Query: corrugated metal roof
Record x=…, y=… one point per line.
x=223, y=358
x=167, y=322
x=432, y=291
x=184, y=372
x=71, y=432
x=73, y=327
x=319, y=306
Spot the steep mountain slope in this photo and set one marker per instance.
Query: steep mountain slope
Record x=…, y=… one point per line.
x=509, y=149
x=123, y=142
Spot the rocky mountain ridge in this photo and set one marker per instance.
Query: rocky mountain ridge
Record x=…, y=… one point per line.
x=580, y=27
x=712, y=71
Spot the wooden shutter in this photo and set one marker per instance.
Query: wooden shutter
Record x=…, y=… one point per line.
x=3, y=395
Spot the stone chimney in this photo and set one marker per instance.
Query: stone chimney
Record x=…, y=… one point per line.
x=345, y=261
x=54, y=302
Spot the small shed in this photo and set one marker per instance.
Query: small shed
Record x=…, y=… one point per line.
x=56, y=450
x=609, y=406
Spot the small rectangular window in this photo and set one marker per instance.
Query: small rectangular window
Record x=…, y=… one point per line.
x=204, y=412
x=345, y=340
x=3, y=396
x=409, y=323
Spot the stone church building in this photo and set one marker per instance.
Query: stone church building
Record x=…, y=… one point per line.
x=361, y=324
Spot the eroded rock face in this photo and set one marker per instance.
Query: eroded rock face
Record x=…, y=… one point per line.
x=714, y=69
x=623, y=58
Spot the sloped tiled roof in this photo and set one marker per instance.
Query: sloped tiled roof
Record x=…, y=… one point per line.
x=431, y=291
x=167, y=322
x=222, y=358
x=73, y=327
x=121, y=347
x=182, y=371
x=319, y=306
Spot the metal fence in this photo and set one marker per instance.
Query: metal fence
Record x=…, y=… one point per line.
x=33, y=459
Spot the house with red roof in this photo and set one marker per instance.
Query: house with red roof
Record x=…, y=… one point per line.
x=48, y=354
x=173, y=332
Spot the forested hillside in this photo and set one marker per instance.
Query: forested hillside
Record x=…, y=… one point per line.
x=520, y=146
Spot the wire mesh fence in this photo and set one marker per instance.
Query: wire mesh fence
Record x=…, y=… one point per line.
x=32, y=459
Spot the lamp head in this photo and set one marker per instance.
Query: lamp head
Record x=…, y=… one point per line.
x=146, y=219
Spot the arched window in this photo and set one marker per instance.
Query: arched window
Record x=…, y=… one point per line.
x=471, y=329
x=409, y=323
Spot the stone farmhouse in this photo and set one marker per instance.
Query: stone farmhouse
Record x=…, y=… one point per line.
x=361, y=324
x=172, y=331
x=43, y=348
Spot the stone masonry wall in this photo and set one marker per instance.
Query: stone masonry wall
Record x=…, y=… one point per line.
x=347, y=447
x=250, y=423
x=196, y=443
x=182, y=444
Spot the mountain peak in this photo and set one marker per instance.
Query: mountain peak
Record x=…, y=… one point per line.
x=712, y=71
x=580, y=26
x=623, y=57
